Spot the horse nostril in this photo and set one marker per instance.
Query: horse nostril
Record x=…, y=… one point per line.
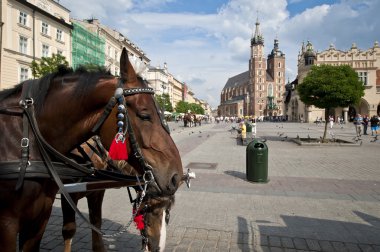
x=174, y=182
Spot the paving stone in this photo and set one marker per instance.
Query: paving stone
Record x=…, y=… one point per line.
x=366, y=248
x=274, y=241
x=339, y=246
x=352, y=247
x=300, y=244
x=313, y=245
x=287, y=242
x=326, y=246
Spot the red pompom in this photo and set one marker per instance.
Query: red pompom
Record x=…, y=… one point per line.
x=139, y=221
x=118, y=150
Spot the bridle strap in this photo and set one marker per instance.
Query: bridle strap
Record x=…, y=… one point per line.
x=133, y=91
x=24, y=152
x=7, y=111
x=107, y=110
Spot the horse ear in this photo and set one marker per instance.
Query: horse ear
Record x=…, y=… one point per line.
x=127, y=72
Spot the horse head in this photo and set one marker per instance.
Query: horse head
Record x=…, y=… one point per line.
x=152, y=152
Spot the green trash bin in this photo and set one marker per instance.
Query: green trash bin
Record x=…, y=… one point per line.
x=257, y=161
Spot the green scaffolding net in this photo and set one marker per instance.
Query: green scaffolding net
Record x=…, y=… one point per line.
x=88, y=47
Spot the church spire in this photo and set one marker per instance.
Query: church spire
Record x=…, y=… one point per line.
x=257, y=37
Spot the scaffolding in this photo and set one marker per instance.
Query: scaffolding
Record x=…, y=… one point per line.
x=88, y=47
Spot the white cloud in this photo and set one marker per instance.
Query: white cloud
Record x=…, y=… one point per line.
x=208, y=49
x=96, y=8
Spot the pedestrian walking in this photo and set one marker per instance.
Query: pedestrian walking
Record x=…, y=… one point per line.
x=365, y=124
x=331, y=120
x=358, y=122
x=340, y=121
x=375, y=121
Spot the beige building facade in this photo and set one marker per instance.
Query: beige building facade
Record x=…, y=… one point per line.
x=176, y=90
x=31, y=30
x=365, y=62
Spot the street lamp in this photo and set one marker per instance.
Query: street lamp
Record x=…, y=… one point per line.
x=247, y=102
x=163, y=88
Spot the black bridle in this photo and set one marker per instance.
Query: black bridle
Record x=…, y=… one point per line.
x=125, y=126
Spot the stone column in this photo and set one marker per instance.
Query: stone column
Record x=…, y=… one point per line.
x=308, y=110
x=345, y=114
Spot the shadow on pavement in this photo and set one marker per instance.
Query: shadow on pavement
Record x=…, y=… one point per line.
x=327, y=230
x=236, y=174
x=129, y=240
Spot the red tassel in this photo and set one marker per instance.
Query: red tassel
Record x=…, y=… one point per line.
x=118, y=150
x=139, y=221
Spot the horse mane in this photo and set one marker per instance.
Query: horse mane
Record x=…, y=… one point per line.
x=87, y=77
x=10, y=91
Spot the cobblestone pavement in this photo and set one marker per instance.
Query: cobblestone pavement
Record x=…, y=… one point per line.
x=317, y=199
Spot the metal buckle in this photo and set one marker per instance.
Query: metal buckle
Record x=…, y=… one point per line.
x=148, y=178
x=24, y=142
x=27, y=102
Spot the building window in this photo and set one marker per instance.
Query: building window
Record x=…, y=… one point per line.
x=24, y=74
x=22, y=18
x=45, y=51
x=45, y=28
x=59, y=35
x=23, y=44
x=270, y=90
x=279, y=64
x=363, y=77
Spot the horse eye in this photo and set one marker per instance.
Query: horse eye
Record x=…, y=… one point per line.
x=144, y=117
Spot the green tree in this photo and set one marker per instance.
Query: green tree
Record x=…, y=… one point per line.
x=48, y=65
x=182, y=107
x=164, y=102
x=330, y=87
x=196, y=108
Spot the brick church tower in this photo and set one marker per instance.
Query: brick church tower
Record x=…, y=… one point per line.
x=267, y=78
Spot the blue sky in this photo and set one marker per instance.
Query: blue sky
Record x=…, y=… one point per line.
x=204, y=42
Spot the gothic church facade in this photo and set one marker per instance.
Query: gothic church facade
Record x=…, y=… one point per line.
x=259, y=91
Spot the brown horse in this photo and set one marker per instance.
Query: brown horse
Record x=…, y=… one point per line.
x=188, y=120
x=155, y=210
x=50, y=117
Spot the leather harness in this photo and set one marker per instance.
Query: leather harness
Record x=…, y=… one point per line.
x=68, y=168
